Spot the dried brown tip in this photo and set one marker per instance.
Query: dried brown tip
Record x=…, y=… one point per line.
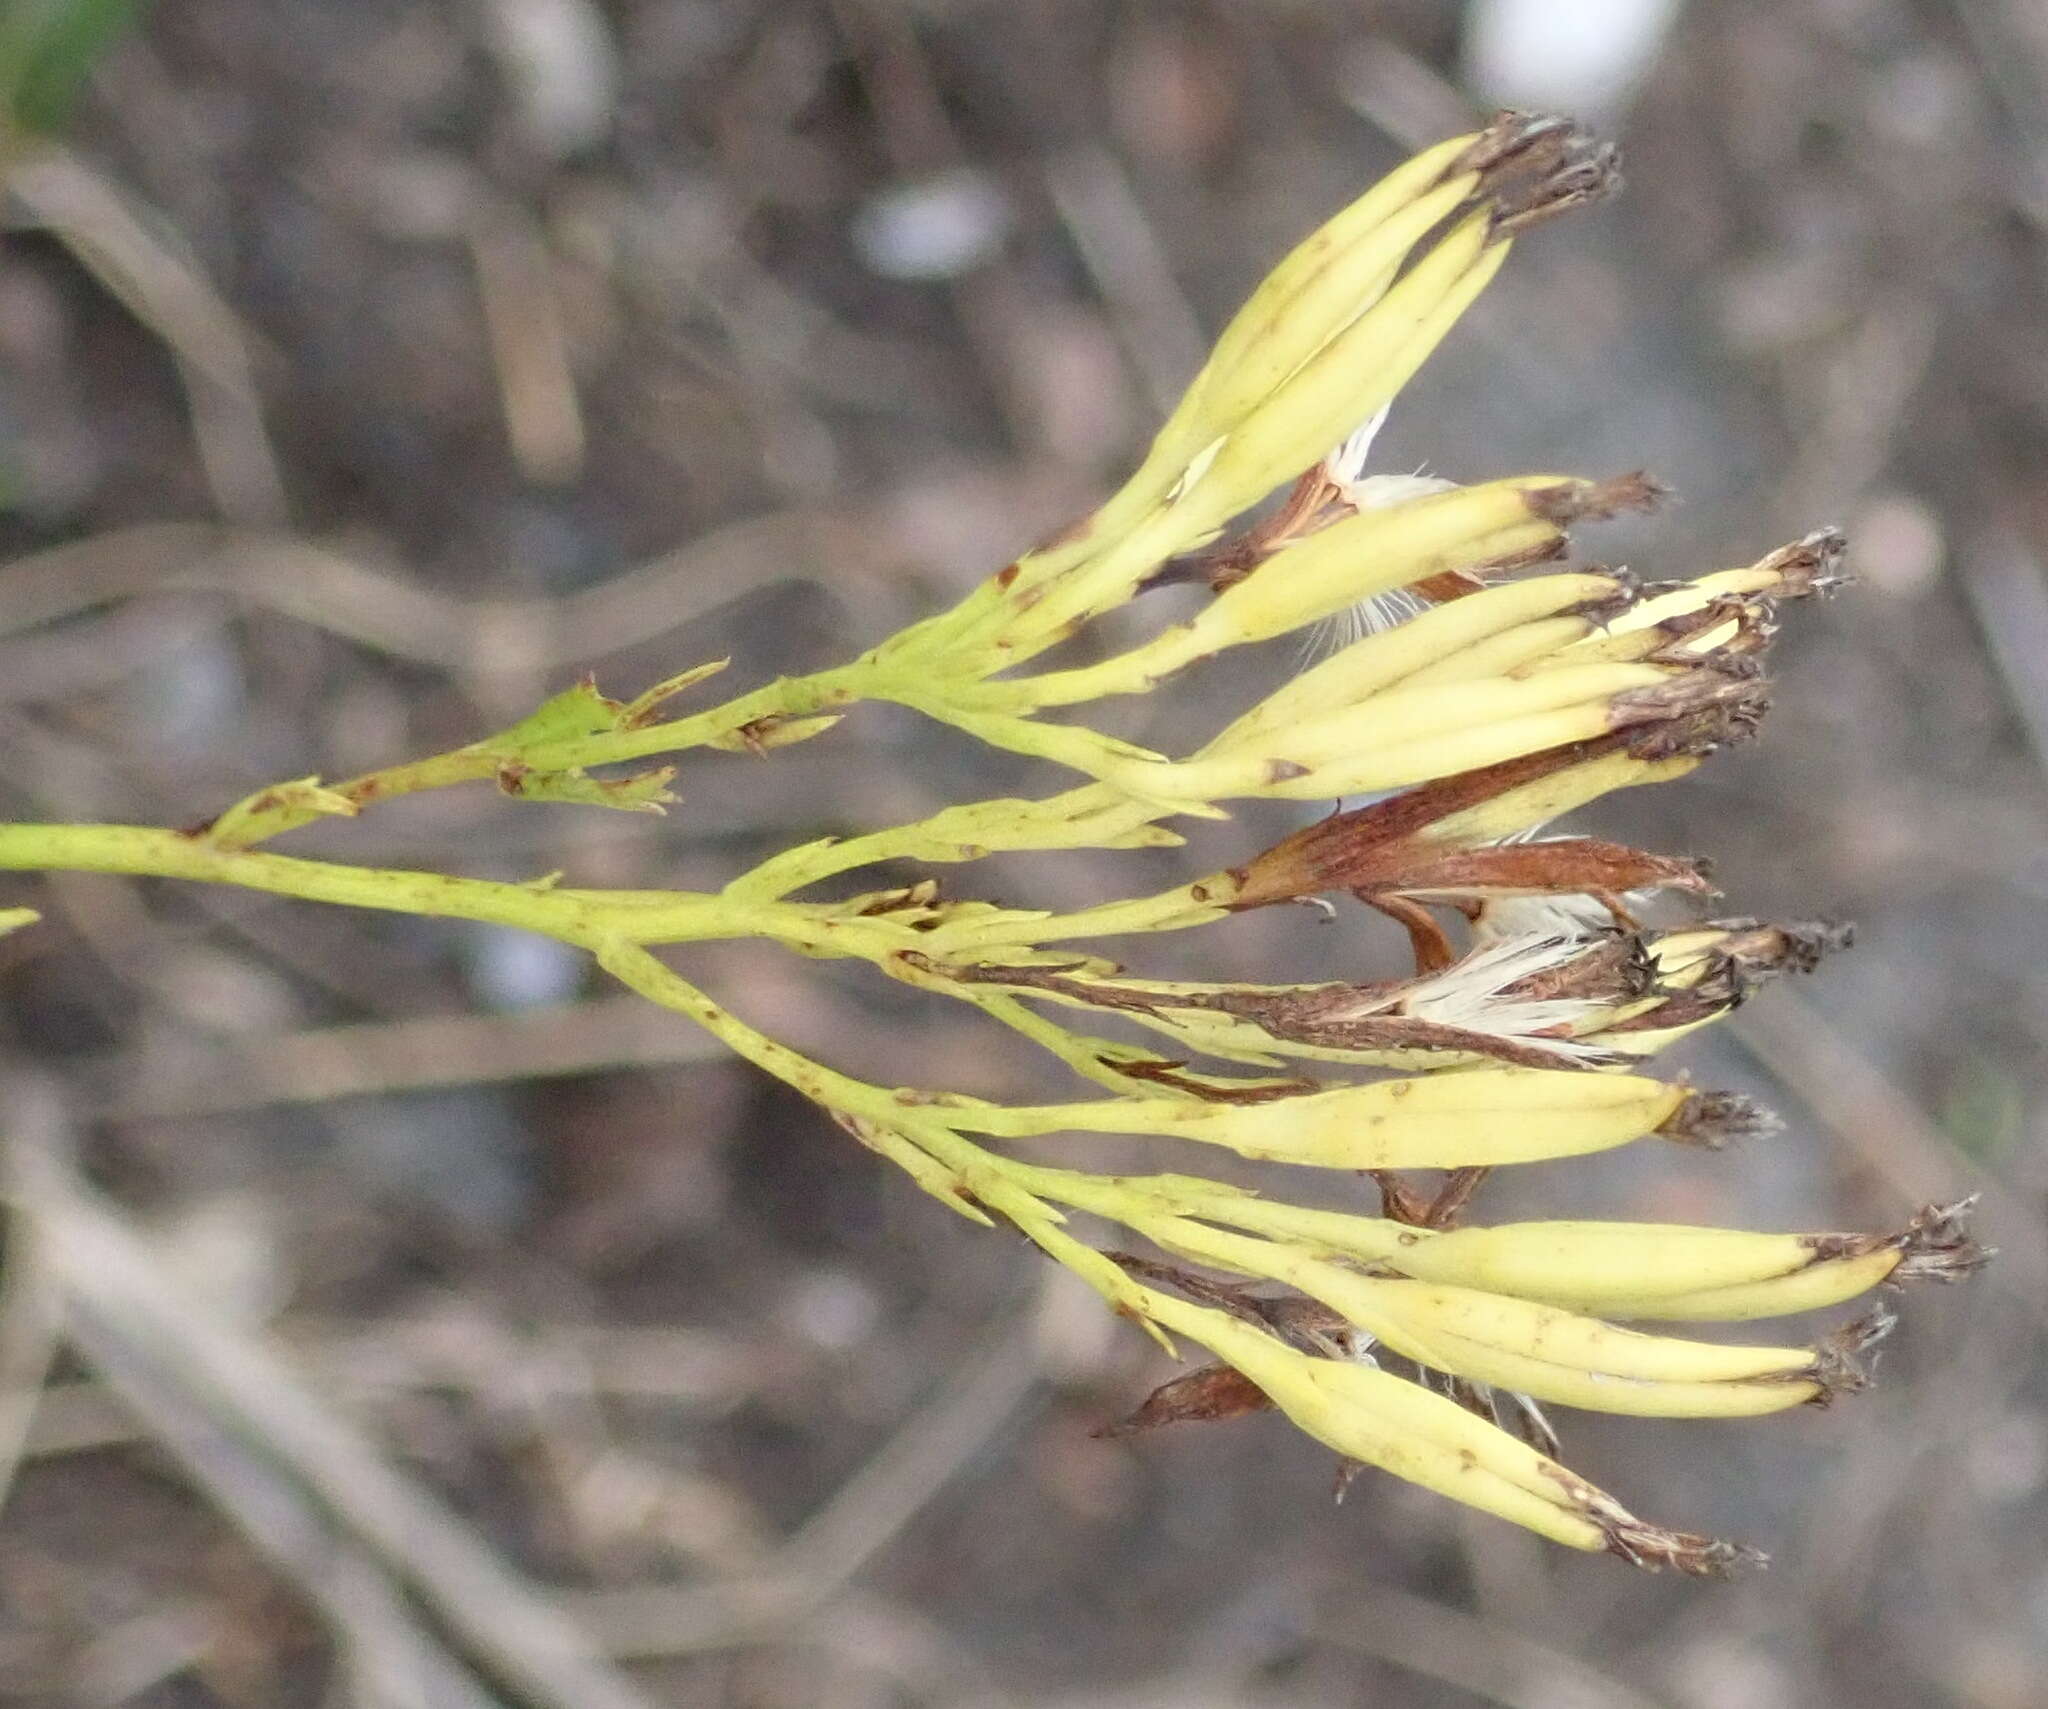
x=1806, y=943
x=1750, y=613
x=1652, y=1547
x=1677, y=696
x=1534, y=167
x=1509, y=134
x=1730, y=715
x=1934, y=1246
x=1655, y=1549
x=1712, y=1120
x=1840, y=1365
x=1629, y=591
x=1812, y=565
x=1736, y=701
x=1753, y=953
x=1580, y=501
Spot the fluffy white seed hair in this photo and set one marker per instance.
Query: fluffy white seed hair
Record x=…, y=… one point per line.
x=1470, y=995
x=1345, y=470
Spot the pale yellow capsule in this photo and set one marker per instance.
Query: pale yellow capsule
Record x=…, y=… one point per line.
x=1473, y=1116
x=1601, y=1391
x=1591, y=1263
x=1372, y=1416
x=1410, y=652
x=1567, y=1339
x=1374, y=551
x=1819, y=1285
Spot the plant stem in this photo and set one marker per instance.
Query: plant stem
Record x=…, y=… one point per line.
x=587, y=918
x=785, y=697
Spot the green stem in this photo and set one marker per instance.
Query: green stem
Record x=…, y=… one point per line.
x=584, y=917
x=1092, y=816
x=654, y=979
x=785, y=697
x=1078, y=1052
x=1168, y=910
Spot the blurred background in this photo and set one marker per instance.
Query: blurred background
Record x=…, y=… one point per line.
x=369, y=372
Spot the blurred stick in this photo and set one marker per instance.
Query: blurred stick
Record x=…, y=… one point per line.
x=30, y=1324
x=1125, y=258
x=193, y=1078
x=404, y=619
x=467, y=1351
x=515, y=278
x=869, y=1510
x=140, y=1326
x=1875, y=1122
x=2007, y=587
x=395, y=1661
x=1491, y=1662
x=167, y=293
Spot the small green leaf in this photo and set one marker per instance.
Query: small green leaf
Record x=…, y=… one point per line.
x=641, y=711
x=584, y=711
x=13, y=919
x=253, y=812
x=644, y=792
x=777, y=730
x=578, y=711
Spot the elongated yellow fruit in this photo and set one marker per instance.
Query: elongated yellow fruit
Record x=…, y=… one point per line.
x=1347, y=254
x=1322, y=346
x=1430, y=1440
x=1267, y=344
x=1351, y=377
x=1546, y=798
x=1318, y=764
x=1439, y=1419
x=1622, y=648
x=1603, y=1391
x=1825, y=1283
x=1407, y=653
x=1336, y=277
x=1695, y=595
x=1646, y=627
x=1441, y=1325
x=1509, y=654
x=1372, y=1416
x=1599, y=1266
x=1618, y=1270
x=1445, y=634
x=1411, y=713
x=1567, y=1339
x=1377, y=550
x=1535, y=1349
x=1443, y=1121
x=1592, y=1263
x=1446, y=756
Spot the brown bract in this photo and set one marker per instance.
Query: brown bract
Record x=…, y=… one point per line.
x=1385, y=850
